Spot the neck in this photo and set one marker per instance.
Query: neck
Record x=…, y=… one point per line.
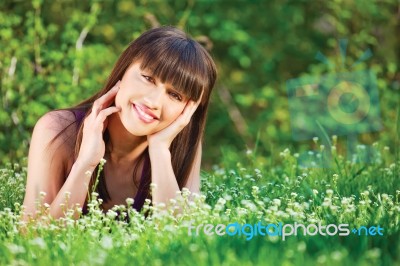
x=123, y=147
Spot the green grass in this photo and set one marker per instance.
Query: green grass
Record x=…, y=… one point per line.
x=249, y=191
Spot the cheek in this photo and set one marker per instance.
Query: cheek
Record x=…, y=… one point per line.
x=123, y=96
x=174, y=112
x=119, y=98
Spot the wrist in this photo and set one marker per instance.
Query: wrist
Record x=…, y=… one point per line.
x=155, y=145
x=159, y=150
x=81, y=166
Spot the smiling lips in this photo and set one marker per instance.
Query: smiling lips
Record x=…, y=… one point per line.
x=144, y=114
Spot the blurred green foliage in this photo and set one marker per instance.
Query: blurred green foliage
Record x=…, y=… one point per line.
x=53, y=54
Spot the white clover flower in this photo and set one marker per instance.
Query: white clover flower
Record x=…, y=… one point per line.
x=273, y=208
x=112, y=214
x=172, y=201
x=130, y=201
x=67, y=194
x=227, y=197
x=280, y=213
x=241, y=211
x=276, y=202
x=329, y=192
x=161, y=205
x=315, y=192
x=334, y=208
x=221, y=201
x=185, y=192
x=327, y=202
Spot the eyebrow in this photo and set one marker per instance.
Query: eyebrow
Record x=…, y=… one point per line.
x=150, y=72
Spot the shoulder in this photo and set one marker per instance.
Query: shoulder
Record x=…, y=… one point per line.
x=51, y=151
x=56, y=130
x=55, y=120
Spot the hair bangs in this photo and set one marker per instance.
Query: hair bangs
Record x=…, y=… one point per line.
x=179, y=64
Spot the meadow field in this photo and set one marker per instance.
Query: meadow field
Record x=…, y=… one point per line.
x=283, y=181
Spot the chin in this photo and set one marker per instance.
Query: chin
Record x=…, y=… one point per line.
x=138, y=132
x=141, y=131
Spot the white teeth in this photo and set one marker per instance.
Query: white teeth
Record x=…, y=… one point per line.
x=146, y=116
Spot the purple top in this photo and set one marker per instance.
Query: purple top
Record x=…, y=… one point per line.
x=141, y=194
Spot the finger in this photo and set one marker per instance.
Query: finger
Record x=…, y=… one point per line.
x=191, y=108
x=103, y=114
x=188, y=112
x=105, y=100
x=200, y=98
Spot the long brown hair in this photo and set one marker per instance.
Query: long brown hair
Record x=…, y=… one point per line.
x=176, y=59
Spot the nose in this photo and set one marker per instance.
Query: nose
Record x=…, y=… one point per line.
x=153, y=99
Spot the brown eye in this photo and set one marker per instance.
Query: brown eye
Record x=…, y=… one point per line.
x=149, y=79
x=176, y=96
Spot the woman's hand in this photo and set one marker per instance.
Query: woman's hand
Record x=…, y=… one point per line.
x=92, y=146
x=163, y=138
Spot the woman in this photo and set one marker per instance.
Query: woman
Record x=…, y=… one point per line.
x=147, y=123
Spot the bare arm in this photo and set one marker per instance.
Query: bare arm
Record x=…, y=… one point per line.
x=193, y=182
x=46, y=162
x=163, y=175
x=46, y=170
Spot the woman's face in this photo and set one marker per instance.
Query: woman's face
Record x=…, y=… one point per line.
x=147, y=105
